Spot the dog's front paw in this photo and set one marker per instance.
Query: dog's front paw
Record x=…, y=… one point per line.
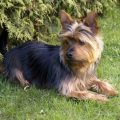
x=101, y=98
x=108, y=90
x=113, y=93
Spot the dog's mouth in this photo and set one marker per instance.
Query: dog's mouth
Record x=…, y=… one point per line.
x=72, y=60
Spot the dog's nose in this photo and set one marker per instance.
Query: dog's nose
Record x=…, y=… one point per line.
x=69, y=53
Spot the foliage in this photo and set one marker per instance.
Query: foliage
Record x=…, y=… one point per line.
x=35, y=19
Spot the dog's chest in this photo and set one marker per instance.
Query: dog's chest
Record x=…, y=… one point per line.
x=73, y=84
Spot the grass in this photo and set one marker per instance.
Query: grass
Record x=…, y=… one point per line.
x=34, y=104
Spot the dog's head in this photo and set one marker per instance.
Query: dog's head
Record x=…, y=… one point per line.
x=81, y=44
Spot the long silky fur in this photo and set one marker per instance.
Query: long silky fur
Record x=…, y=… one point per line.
x=40, y=64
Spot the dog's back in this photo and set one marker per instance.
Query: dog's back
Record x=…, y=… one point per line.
x=37, y=63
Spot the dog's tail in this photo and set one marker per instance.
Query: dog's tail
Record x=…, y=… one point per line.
x=3, y=41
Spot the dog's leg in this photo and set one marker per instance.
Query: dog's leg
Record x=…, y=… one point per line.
x=87, y=95
x=21, y=79
x=104, y=87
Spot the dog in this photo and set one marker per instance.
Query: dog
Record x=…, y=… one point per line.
x=69, y=68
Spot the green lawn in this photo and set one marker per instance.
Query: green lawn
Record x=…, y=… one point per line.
x=34, y=104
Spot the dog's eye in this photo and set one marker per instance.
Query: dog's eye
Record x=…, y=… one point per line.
x=66, y=42
x=81, y=42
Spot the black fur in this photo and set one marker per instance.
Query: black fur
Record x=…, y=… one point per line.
x=39, y=63
x=3, y=41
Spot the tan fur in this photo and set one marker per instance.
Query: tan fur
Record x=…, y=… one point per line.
x=85, y=56
x=20, y=78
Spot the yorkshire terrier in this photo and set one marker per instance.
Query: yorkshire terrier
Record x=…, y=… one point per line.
x=69, y=68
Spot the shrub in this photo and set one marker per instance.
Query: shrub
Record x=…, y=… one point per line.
x=36, y=19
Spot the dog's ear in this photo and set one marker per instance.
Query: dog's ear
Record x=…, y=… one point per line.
x=91, y=21
x=65, y=19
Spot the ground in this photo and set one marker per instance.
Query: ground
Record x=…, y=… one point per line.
x=34, y=104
